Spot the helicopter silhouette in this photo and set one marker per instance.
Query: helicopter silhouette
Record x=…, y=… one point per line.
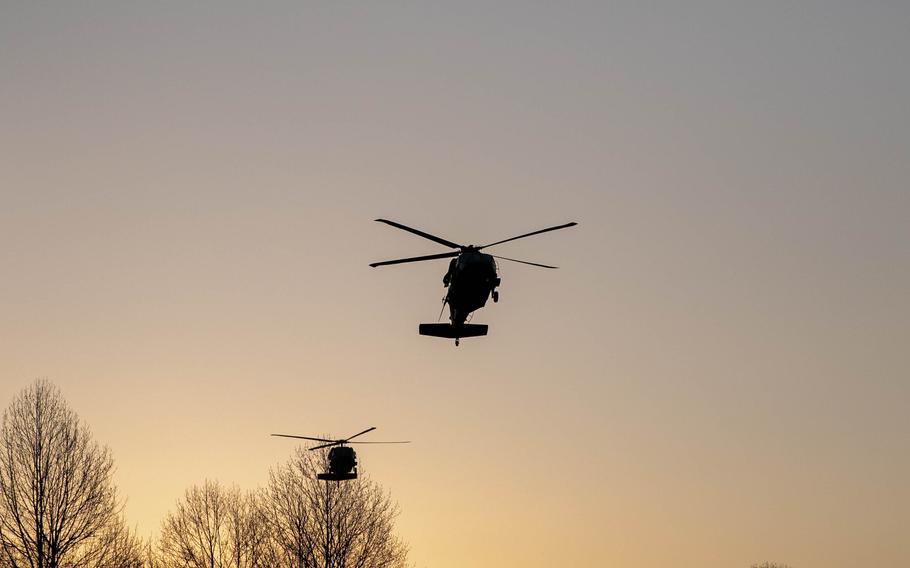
x=471, y=279
x=342, y=459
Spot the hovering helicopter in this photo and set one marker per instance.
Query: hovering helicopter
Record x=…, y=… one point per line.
x=342, y=459
x=471, y=279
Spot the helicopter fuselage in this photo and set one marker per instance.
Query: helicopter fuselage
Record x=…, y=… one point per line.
x=471, y=278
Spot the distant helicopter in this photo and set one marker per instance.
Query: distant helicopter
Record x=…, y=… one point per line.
x=471, y=279
x=342, y=459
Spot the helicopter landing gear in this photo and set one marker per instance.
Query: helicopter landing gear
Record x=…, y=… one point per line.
x=495, y=296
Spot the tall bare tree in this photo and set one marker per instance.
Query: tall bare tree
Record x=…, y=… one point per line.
x=215, y=527
x=57, y=497
x=328, y=524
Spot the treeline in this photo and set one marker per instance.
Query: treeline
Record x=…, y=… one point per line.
x=59, y=508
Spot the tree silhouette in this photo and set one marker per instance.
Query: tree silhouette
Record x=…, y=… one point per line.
x=215, y=527
x=58, y=503
x=329, y=524
x=116, y=547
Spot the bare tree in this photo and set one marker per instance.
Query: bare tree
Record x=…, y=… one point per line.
x=151, y=556
x=56, y=491
x=328, y=524
x=215, y=527
x=116, y=547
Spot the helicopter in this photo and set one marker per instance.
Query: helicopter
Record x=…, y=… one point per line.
x=342, y=459
x=472, y=278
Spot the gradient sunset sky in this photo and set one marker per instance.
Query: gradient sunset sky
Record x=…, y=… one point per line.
x=718, y=374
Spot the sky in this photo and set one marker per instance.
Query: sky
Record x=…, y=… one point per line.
x=717, y=375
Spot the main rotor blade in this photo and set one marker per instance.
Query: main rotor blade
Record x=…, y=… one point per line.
x=524, y=262
x=303, y=437
x=405, y=442
x=326, y=445
x=433, y=238
x=370, y=429
x=572, y=224
x=415, y=259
